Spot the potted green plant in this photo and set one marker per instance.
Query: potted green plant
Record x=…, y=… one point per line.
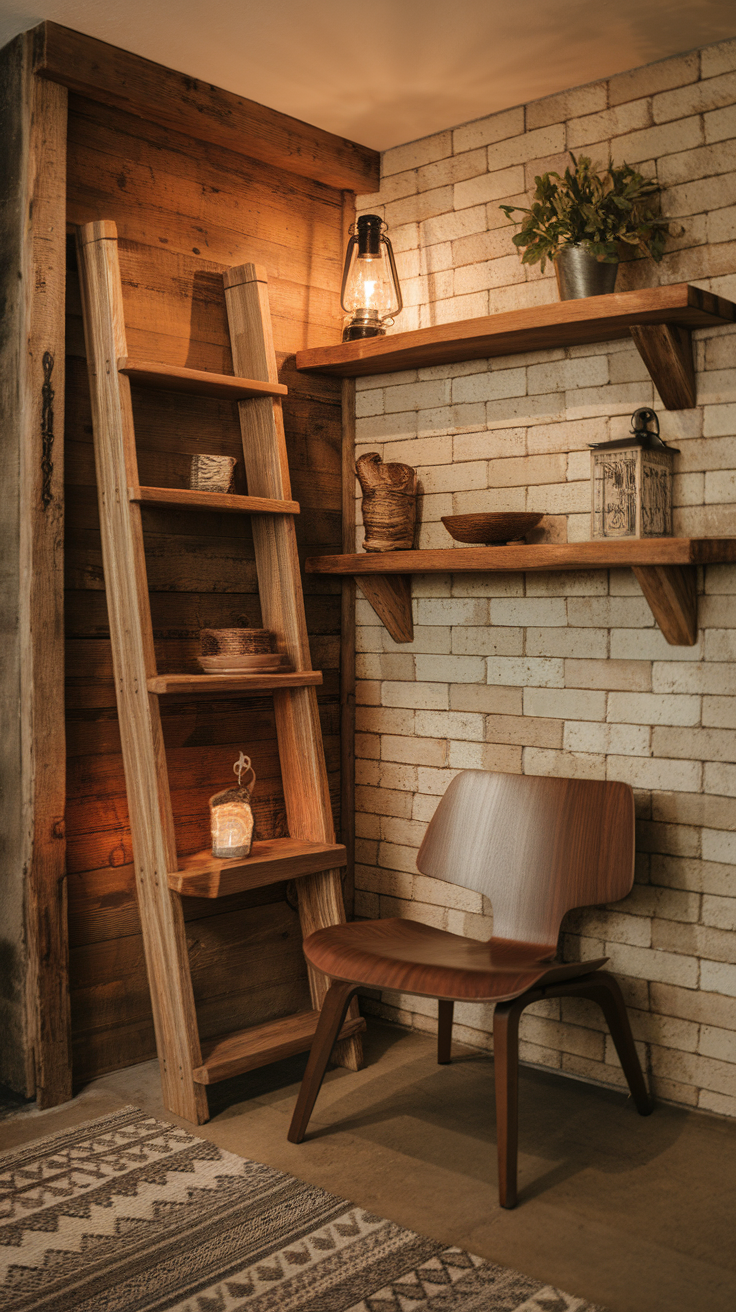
x=580, y=219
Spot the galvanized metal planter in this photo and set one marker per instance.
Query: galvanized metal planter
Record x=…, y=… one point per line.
x=580, y=274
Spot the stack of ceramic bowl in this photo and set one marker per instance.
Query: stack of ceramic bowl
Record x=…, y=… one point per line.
x=240, y=651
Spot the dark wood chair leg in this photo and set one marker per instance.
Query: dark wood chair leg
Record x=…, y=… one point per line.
x=334, y=1008
x=506, y=1074
x=605, y=990
x=445, y=1009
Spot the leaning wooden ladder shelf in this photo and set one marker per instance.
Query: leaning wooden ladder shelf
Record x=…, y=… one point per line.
x=310, y=854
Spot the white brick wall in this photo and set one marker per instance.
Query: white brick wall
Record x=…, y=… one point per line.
x=564, y=674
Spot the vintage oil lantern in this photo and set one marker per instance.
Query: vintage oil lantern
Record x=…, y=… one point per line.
x=371, y=294
x=631, y=482
x=231, y=816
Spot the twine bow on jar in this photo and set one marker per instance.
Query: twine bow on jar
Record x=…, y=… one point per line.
x=243, y=766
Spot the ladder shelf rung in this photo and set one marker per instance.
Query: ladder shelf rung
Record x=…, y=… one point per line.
x=270, y=861
x=177, y=379
x=184, y=496
x=245, y=1050
x=192, y=684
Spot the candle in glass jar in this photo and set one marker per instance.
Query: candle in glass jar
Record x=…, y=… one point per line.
x=231, y=816
x=232, y=829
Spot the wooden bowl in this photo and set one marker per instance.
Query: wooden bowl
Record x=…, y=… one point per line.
x=262, y=663
x=499, y=526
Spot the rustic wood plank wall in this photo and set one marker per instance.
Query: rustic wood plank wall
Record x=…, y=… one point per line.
x=186, y=210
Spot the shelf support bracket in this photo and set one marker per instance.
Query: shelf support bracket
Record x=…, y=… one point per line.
x=390, y=597
x=671, y=593
x=667, y=351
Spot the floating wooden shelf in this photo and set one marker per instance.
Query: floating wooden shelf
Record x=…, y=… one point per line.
x=176, y=379
x=245, y=1050
x=193, y=684
x=604, y=554
x=665, y=568
x=182, y=496
x=202, y=875
x=659, y=319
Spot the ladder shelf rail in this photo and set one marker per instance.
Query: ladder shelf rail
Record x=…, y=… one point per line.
x=311, y=854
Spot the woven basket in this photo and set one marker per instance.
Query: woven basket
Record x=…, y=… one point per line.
x=235, y=642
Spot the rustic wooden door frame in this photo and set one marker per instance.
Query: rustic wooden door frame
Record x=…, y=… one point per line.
x=32, y=512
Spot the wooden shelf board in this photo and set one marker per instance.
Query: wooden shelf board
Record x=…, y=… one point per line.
x=561, y=323
x=182, y=496
x=194, y=684
x=664, y=567
x=203, y=875
x=245, y=1050
x=176, y=379
x=604, y=554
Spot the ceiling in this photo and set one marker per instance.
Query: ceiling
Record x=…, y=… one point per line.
x=389, y=71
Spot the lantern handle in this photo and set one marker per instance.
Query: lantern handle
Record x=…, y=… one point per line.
x=243, y=766
x=394, y=271
x=642, y=418
x=346, y=267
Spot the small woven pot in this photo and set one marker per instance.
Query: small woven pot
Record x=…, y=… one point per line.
x=235, y=642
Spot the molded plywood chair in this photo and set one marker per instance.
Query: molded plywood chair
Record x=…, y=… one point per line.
x=536, y=847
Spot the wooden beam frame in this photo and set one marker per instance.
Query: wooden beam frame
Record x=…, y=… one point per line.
x=38, y=1048
x=119, y=78
x=347, y=647
x=347, y=611
x=36, y=71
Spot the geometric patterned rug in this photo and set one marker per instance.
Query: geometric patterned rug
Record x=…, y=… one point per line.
x=130, y=1214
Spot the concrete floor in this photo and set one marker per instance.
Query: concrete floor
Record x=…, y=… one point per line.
x=638, y=1214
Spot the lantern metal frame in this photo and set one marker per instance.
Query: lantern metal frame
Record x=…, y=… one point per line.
x=631, y=482
x=374, y=229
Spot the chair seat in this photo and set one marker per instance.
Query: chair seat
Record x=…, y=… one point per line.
x=414, y=958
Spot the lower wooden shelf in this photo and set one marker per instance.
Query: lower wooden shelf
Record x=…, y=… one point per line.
x=271, y=861
x=664, y=567
x=193, y=684
x=245, y=1050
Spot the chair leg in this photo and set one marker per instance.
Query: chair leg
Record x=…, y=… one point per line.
x=605, y=990
x=334, y=1009
x=506, y=1073
x=445, y=1009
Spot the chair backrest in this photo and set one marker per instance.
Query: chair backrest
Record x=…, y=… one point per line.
x=535, y=846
